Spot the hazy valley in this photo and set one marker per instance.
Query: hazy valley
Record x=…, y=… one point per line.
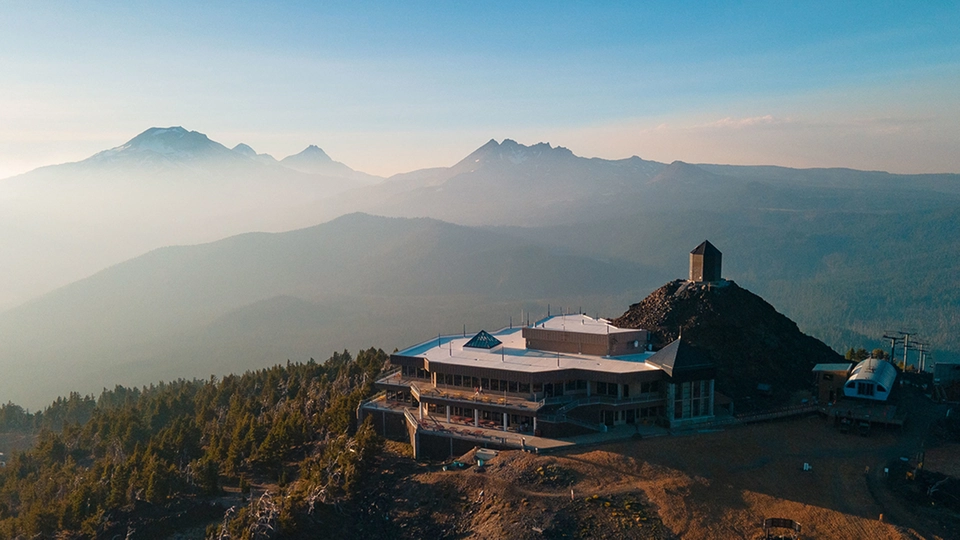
x=848, y=254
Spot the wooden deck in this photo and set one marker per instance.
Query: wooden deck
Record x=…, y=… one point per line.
x=874, y=413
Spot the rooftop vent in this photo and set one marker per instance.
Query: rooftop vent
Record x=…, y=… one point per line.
x=482, y=340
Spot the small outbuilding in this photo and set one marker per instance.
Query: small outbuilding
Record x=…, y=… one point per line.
x=871, y=379
x=830, y=380
x=705, y=263
x=946, y=373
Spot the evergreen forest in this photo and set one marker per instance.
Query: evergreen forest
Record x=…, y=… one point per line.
x=290, y=429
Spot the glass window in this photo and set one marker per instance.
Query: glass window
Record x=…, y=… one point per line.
x=524, y=388
x=485, y=383
x=513, y=387
x=457, y=380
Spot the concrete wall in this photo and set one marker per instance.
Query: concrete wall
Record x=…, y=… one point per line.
x=440, y=448
x=623, y=342
x=389, y=425
x=573, y=342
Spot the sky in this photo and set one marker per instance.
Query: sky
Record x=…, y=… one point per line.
x=389, y=87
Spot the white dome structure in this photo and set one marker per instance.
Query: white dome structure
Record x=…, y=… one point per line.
x=871, y=379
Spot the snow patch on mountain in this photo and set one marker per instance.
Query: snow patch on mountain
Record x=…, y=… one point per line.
x=165, y=144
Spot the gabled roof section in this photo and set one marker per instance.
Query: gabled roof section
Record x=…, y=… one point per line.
x=706, y=248
x=482, y=340
x=846, y=366
x=680, y=360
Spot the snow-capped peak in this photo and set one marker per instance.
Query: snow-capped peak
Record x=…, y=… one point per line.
x=171, y=143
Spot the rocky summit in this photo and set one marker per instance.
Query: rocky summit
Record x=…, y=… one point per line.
x=750, y=342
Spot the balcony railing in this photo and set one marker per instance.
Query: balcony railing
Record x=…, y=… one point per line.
x=609, y=400
x=564, y=419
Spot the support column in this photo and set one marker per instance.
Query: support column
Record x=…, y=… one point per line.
x=589, y=384
x=420, y=409
x=448, y=414
x=670, y=405
x=711, y=397
x=505, y=415
x=534, y=424
x=476, y=418
x=619, y=391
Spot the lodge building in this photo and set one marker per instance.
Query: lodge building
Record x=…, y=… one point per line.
x=563, y=375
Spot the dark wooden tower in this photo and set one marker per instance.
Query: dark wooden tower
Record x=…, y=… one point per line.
x=705, y=261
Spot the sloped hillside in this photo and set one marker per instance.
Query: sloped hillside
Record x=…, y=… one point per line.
x=748, y=339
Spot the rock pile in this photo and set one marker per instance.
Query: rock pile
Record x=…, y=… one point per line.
x=750, y=342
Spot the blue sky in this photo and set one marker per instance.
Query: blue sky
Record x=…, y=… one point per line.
x=388, y=88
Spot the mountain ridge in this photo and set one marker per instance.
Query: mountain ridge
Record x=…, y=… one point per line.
x=177, y=311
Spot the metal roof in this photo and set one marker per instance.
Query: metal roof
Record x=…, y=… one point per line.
x=680, y=359
x=833, y=367
x=706, y=248
x=875, y=370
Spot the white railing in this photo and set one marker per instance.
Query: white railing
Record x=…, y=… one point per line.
x=609, y=400
x=411, y=418
x=389, y=374
x=553, y=400
x=564, y=419
x=371, y=399
x=415, y=391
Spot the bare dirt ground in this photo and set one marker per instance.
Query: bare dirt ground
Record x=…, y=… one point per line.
x=699, y=486
x=944, y=459
x=722, y=485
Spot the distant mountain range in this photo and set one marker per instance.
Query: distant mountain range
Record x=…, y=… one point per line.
x=847, y=254
x=508, y=183
x=165, y=186
x=256, y=299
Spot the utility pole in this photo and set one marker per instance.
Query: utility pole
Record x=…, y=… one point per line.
x=893, y=344
x=921, y=360
x=906, y=345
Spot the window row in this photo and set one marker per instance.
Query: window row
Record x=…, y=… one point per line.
x=415, y=372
